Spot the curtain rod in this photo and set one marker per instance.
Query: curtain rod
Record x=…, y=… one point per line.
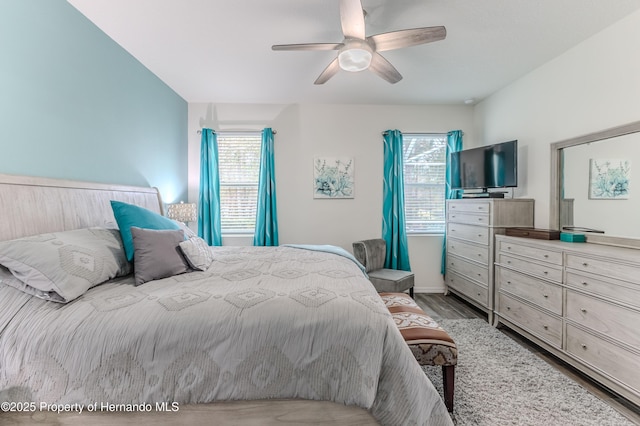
x=239, y=131
x=419, y=133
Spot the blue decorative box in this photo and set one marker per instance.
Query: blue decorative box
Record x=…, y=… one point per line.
x=572, y=238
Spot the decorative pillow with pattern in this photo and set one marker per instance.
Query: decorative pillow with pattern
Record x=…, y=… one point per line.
x=7, y=278
x=62, y=266
x=197, y=252
x=188, y=232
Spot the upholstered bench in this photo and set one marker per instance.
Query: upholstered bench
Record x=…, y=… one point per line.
x=430, y=344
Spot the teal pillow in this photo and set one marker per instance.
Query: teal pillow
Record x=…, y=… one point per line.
x=128, y=215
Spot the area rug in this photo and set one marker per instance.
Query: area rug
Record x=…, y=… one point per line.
x=499, y=382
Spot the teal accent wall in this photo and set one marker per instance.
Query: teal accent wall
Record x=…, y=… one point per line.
x=76, y=105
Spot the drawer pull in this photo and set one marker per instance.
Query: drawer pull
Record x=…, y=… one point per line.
x=546, y=256
x=546, y=296
x=479, y=294
x=585, y=264
x=546, y=327
x=583, y=310
x=479, y=274
x=508, y=247
x=585, y=283
x=508, y=282
x=480, y=219
x=545, y=272
x=479, y=235
x=508, y=308
x=453, y=216
x=509, y=262
x=584, y=346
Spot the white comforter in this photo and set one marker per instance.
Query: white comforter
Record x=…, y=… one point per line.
x=259, y=323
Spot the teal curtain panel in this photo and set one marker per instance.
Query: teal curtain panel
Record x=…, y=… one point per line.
x=266, y=232
x=393, y=219
x=209, y=224
x=454, y=144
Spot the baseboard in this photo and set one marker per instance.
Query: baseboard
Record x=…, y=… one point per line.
x=429, y=289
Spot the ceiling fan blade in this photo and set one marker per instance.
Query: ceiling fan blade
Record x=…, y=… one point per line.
x=383, y=68
x=331, y=70
x=406, y=38
x=307, y=46
x=352, y=19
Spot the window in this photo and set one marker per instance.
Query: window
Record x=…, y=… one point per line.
x=238, y=168
x=424, y=182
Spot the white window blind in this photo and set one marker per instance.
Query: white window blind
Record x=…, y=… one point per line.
x=424, y=182
x=238, y=168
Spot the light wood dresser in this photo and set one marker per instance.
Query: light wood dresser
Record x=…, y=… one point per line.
x=580, y=301
x=472, y=224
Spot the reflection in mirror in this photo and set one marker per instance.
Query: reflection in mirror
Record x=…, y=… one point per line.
x=596, y=186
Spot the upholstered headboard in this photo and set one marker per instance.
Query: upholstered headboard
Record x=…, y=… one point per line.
x=33, y=205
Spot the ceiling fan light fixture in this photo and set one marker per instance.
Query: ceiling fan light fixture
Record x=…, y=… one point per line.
x=355, y=56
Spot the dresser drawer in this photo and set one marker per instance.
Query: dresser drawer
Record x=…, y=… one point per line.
x=603, y=267
x=624, y=292
x=468, y=251
x=615, y=361
x=477, y=234
x=545, y=326
x=534, y=290
x=470, y=270
x=607, y=318
x=469, y=206
x=469, y=288
x=547, y=271
x=536, y=253
x=470, y=218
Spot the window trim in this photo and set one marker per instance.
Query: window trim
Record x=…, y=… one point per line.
x=238, y=134
x=423, y=232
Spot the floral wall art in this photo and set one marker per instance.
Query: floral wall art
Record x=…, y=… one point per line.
x=609, y=179
x=333, y=177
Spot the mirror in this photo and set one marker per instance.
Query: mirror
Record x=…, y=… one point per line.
x=592, y=185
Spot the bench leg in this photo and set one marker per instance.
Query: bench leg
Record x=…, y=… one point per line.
x=411, y=292
x=448, y=380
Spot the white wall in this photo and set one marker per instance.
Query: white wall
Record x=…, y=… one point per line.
x=307, y=131
x=590, y=87
x=593, y=86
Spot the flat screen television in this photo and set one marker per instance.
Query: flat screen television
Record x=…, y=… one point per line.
x=485, y=167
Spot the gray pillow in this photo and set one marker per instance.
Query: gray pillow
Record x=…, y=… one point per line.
x=156, y=254
x=197, y=252
x=62, y=266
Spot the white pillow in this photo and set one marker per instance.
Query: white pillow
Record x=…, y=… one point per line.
x=197, y=252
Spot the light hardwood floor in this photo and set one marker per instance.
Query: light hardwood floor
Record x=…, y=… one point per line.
x=301, y=413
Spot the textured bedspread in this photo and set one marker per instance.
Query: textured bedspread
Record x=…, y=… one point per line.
x=259, y=323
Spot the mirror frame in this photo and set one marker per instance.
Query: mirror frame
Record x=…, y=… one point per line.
x=556, y=179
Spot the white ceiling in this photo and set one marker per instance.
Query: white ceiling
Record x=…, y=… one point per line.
x=220, y=50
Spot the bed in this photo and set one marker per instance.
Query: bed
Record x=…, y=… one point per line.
x=258, y=323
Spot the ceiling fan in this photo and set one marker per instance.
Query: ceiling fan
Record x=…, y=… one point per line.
x=357, y=52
